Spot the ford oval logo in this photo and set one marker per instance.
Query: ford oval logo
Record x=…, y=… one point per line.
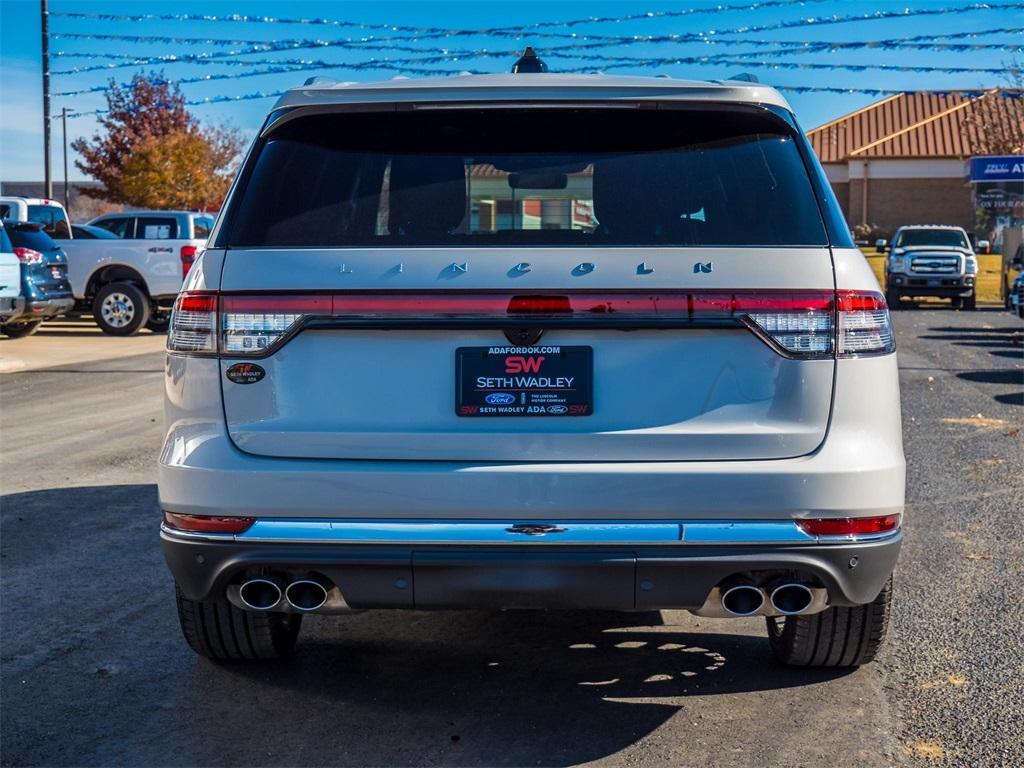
x=557, y=409
x=500, y=398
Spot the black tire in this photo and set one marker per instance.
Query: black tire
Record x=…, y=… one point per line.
x=20, y=330
x=159, y=322
x=970, y=303
x=220, y=631
x=836, y=637
x=956, y=302
x=120, y=309
x=892, y=298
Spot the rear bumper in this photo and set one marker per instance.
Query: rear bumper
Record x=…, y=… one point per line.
x=42, y=309
x=615, y=566
x=12, y=307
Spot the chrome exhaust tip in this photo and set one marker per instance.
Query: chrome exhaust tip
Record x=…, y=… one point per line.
x=743, y=600
x=259, y=594
x=306, y=595
x=791, y=599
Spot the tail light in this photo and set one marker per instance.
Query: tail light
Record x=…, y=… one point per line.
x=850, y=526
x=193, y=324
x=797, y=324
x=865, y=327
x=188, y=256
x=28, y=256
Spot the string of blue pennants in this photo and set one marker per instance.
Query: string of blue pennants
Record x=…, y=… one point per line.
x=572, y=45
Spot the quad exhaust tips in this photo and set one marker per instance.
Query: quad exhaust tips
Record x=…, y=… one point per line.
x=259, y=594
x=306, y=595
x=742, y=600
x=791, y=599
x=263, y=594
x=740, y=597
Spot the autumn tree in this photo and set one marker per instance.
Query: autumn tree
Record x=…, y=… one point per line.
x=995, y=126
x=152, y=153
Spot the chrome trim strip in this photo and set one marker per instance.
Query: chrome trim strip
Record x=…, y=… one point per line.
x=505, y=533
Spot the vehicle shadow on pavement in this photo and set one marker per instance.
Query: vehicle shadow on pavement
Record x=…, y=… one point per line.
x=492, y=688
x=103, y=652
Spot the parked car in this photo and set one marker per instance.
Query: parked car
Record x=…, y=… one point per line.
x=1012, y=262
x=44, y=281
x=12, y=303
x=931, y=260
x=532, y=341
x=1016, y=302
x=49, y=213
x=89, y=232
x=129, y=280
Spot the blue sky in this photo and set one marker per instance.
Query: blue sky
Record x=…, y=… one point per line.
x=20, y=99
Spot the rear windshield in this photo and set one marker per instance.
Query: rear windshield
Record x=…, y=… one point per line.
x=528, y=177
x=53, y=219
x=941, y=237
x=201, y=226
x=30, y=236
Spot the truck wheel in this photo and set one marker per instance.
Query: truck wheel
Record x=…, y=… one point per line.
x=836, y=637
x=159, y=322
x=218, y=630
x=892, y=298
x=970, y=303
x=120, y=309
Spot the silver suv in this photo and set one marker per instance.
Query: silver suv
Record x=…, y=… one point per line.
x=532, y=341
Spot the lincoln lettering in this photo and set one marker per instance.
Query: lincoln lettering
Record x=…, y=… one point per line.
x=525, y=382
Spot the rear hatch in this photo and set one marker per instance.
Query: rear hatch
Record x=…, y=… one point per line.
x=44, y=264
x=508, y=285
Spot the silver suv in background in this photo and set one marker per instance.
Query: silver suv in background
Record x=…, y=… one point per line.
x=532, y=341
x=931, y=260
x=129, y=281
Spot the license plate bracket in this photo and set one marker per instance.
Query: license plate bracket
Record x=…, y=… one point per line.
x=539, y=381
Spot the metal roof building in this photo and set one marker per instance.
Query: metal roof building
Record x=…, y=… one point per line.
x=902, y=158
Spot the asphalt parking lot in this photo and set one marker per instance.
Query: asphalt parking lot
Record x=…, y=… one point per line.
x=94, y=671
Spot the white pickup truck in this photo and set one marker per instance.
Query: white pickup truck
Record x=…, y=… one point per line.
x=126, y=268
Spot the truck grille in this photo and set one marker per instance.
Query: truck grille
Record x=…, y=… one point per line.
x=938, y=264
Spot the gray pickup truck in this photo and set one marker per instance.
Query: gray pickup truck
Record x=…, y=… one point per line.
x=931, y=260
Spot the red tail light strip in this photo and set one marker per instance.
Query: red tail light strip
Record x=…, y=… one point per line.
x=796, y=324
x=668, y=304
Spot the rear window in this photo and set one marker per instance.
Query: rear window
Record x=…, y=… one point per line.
x=201, y=226
x=30, y=236
x=53, y=219
x=156, y=228
x=529, y=177
x=949, y=238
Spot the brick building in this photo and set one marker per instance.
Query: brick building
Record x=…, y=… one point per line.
x=902, y=159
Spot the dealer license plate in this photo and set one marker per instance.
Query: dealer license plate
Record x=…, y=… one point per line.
x=524, y=381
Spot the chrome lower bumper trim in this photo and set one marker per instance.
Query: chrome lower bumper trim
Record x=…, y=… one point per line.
x=533, y=533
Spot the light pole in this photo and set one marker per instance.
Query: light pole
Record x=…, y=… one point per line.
x=64, y=123
x=45, y=27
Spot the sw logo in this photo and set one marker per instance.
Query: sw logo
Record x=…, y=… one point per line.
x=520, y=364
x=702, y=268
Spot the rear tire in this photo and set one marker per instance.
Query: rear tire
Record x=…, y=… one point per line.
x=20, y=330
x=836, y=637
x=120, y=309
x=220, y=631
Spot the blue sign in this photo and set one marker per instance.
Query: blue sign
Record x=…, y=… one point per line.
x=1007, y=168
